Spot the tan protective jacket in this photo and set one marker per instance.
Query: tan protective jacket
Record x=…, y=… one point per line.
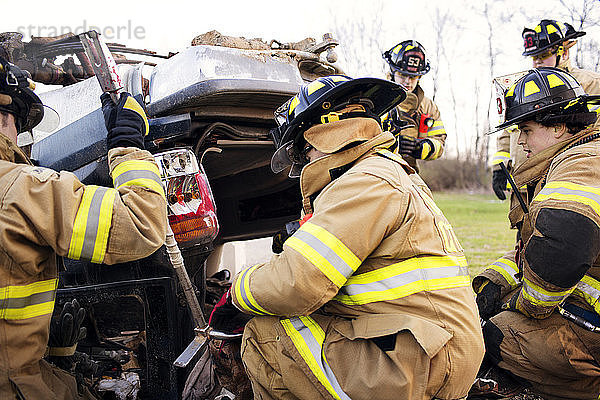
x=563, y=177
x=377, y=257
x=506, y=143
x=45, y=214
x=415, y=105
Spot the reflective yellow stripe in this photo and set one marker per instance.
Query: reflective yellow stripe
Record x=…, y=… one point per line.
x=500, y=156
x=589, y=289
x=405, y=278
x=508, y=269
x=543, y=297
x=133, y=105
x=324, y=251
x=438, y=149
x=138, y=173
x=92, y=224
x=27, y=301
x=243, y=295
x=308, y=337
x=436, y=129
x=561, y=190
x=426, y=150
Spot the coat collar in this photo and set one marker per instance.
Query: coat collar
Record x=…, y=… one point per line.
x=11, y=152
x=319, y=173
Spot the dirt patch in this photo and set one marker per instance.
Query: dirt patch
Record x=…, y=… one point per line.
x=214, y=38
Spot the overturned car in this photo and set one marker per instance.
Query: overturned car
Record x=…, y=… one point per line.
x=210, y=110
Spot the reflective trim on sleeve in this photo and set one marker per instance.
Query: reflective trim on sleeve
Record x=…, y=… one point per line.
x=28, y=301
x=405, y=278
x=92, y=224
x=508, y=269
x=594, y=108
x=561, y=190
x=308, y=337
x=324, y=251
x=501, y=157
x=438, y=148
x=242, y=294
x=588, y=288
x=138, y=173
x=543, y=297
x=436, y=129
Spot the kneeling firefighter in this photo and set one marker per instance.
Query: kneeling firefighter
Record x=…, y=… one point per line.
x=370, y=297
x=540, y=302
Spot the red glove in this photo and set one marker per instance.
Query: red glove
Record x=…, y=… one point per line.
x=225, y=317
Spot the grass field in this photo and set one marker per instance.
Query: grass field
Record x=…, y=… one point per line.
x=481, y=223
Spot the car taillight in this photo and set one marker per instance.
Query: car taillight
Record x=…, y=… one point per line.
x=192, y=210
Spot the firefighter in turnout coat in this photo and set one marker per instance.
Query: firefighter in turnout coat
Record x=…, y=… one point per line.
x=416, y=122
x=370, y=297
x=540, y=302
x=45, y=214
x=548, y=45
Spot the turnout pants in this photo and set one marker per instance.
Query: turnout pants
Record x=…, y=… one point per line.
x=324, y=357
x=560, y=359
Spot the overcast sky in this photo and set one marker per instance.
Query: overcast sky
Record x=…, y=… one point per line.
x=170, y=26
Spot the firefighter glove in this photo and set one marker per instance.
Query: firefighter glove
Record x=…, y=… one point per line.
x=499, y=180
x=225, y=317
x=488, y=299
x=280, y=237
x=66, y=330
x=125, y=121
x=407, y=145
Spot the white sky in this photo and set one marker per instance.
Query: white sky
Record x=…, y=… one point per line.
x=170, y=26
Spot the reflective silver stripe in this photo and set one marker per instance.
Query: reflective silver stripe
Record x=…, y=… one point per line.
x=508, y=270
x=435, y=128
x=244, y=295
x=93, y=220
x=316, y=350
x=549, y=191
x=136, y=174
x=543, y=297
x=421, y=274
x=22, y=302
x=326, y=252
x=589, y=290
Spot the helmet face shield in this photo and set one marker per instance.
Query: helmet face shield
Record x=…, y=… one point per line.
x=286, y=156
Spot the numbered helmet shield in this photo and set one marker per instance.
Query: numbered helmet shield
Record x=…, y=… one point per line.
x=547, y=35
x=320, y=98
x=543, y=92
x=408, y=58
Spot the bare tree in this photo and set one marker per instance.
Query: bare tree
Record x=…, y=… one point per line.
x=584, y=14
x=361, y=41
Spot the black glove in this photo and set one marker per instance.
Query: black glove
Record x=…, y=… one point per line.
x=407, y=145
x=499, y=180
x=395, y=124
x=65, y=332
x=125, y=121
x=280, y=237
x=225, y=317
x=488, y=299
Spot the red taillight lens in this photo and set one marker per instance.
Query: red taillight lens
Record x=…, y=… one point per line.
x=192, y=211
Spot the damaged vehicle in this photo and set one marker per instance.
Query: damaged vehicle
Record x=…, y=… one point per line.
x=210, y=110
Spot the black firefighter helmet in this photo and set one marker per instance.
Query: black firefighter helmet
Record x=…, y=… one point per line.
x=317, y=103
x=547, y=35
x=26, y=106
x=547, y=95
x=408, y=58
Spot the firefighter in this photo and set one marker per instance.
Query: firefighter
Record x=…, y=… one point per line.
x=540, y=302
x=370, y=297
x=548, y=45
x=46, y=214
x=416, y=122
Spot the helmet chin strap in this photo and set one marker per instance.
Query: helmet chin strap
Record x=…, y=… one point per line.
x=559, y=52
